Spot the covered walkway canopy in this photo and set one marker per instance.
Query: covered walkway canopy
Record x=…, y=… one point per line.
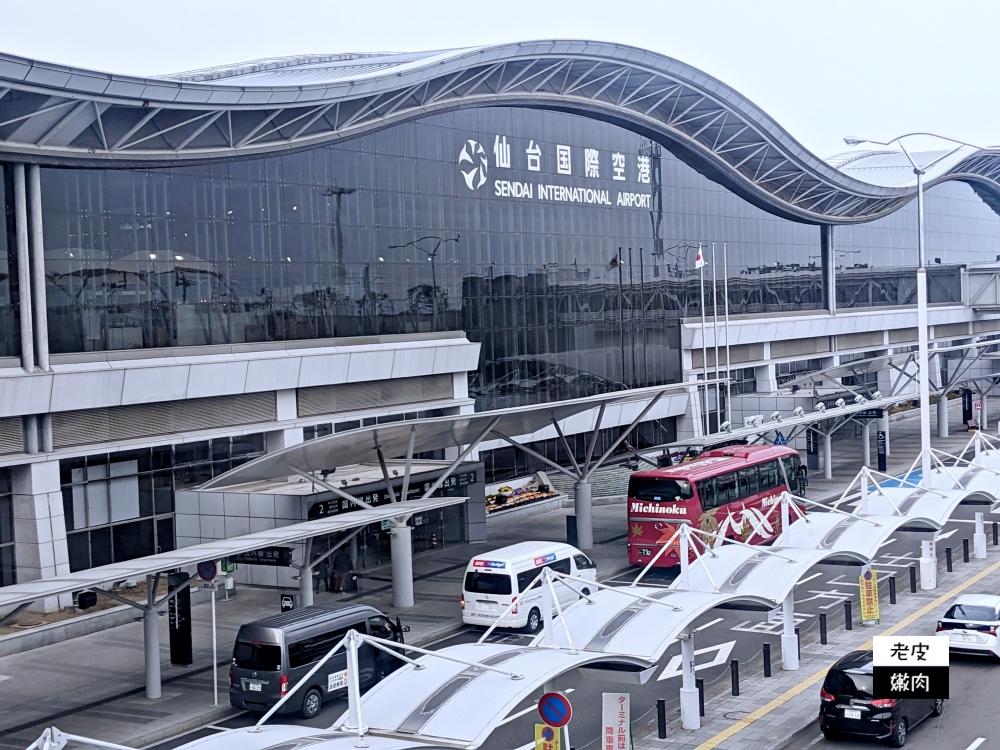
x=461, y=705
x=16, y=597
x=515, y=426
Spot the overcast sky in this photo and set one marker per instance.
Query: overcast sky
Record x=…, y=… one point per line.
x=821, y=68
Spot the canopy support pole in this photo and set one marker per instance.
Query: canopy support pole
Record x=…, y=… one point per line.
x=401, y=554
x=690, y=715
x=866, y=443
x=306, y=576
x=789, y=640
x=827, y=455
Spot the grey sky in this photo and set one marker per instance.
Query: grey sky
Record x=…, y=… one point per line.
x=822, y=68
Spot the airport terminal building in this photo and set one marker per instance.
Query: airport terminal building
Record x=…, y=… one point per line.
x=196, y=269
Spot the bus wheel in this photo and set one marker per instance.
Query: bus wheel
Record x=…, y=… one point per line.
x=312, y=703
x=534, y=621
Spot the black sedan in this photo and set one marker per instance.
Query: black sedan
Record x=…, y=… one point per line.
x=849, y=709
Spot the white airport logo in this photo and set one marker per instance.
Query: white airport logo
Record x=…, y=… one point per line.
x=473, y=164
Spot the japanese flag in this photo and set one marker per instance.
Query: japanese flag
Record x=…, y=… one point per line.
x=699, y=259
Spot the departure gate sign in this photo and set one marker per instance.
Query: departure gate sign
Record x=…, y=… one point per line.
x=910, y=666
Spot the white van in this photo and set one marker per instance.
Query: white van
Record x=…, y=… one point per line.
x=497, y=579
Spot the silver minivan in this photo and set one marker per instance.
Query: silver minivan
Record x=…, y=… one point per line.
x=271, y=655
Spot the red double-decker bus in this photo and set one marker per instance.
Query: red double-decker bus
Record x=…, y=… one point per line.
x=727, y=491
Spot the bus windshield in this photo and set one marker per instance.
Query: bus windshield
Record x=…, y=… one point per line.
x=659, y=490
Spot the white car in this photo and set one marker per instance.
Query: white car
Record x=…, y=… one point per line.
x=971, y=624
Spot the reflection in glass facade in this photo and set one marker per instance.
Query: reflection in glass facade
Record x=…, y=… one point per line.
x=565, y=245
x=120, y=506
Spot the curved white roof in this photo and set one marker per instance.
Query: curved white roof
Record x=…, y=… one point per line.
x=462, y=705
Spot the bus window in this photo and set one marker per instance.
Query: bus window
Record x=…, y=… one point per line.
x=770, y=476
x=791, y=469
x=726, y=488
x=706, y=493
x=659, y=490
x=748, y=481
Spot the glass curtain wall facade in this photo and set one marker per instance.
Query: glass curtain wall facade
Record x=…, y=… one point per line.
x=8, y=568
x=121, y=506
x=565, y=245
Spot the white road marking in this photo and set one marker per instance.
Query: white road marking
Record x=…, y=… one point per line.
x=808, y=578
x=886, y=543
x=4, y=677
x=945, y=535
x=976, y=744
x=707, y=625
x=673, y=668
x=528, y=710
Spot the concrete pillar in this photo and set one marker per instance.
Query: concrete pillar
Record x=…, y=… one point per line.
x=45, y=432
x=828, y=456
x=401, y=551
x=275, y=440
x=789, y=641
x=690, y=717
x=23, y=268
x=40, y=528
x=866, y=443
x=584, y=509
x=942, y=415
x=984, y=424
x=30, y=427
x=41, y=319
x=306, y=576
x=151, y=642
x=306, y=587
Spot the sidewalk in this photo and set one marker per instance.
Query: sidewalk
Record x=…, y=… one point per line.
x=769, y=711
x=94, y=685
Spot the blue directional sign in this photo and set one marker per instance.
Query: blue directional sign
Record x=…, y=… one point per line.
x=779, y=439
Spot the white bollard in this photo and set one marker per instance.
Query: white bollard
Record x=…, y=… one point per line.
x=979, y=539
x=928, y=565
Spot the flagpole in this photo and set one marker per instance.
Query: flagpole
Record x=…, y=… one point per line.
x=704, y=343
x=725, y=294
x=715, y=339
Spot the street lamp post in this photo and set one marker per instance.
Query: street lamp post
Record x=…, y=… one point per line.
x=431, y=256
x=923, y=374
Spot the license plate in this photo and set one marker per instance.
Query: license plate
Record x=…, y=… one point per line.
x=851, y=713
x=645, y=552
x=968, y=638
x=488, y=606
x=255, y=687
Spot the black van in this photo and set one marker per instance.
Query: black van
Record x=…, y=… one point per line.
x=271, y=655
x=849, y=709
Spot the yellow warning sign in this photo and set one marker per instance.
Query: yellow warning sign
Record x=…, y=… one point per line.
x=868, y=583
x=547, y=738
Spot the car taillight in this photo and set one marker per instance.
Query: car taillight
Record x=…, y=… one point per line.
x=514, y=610
x=461, y=602
x=825, y=696
x=992, y=630
x=940, y=627
x=230, y=677
x=283, y=685
x=883, y=703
